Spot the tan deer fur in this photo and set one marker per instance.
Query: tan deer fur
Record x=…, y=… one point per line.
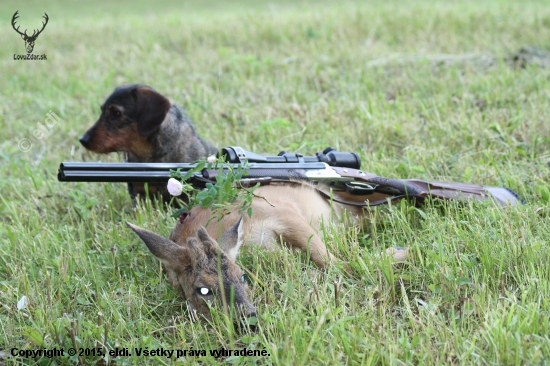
x=291, y=214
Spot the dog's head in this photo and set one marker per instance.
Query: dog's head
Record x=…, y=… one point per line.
x=129, y=117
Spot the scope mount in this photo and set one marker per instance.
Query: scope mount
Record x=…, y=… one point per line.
x=238, y=155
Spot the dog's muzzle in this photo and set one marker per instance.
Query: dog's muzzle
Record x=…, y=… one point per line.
x=85, y=140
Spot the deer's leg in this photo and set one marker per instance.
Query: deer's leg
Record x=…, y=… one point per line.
x=297, y=233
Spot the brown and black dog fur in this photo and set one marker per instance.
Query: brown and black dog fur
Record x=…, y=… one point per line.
x=142, y=123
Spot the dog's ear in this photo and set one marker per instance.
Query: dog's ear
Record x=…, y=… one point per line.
x=151, y=110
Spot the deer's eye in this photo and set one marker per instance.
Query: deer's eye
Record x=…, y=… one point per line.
x=204, y=291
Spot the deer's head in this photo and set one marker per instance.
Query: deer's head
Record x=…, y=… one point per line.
x=205, y=272
x=29, y=40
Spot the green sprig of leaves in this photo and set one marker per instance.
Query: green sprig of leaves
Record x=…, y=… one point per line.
x=219, y=194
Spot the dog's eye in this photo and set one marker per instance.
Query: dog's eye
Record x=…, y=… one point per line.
x=204, y=291
x=116, y=113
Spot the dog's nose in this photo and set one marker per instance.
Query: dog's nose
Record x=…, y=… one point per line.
x=85, y=140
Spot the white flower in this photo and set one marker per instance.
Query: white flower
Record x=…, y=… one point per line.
x=174, y=187
x=211, y=159
x=22, y=303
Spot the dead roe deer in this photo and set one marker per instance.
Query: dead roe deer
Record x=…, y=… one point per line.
x=287, y=213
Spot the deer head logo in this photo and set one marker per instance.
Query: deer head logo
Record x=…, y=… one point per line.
x=29, y=40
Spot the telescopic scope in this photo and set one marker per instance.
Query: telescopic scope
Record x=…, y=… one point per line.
x=237, y=155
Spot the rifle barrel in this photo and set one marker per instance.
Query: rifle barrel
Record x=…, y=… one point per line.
x=104, y=167
x=112, y=176
x=160, y=172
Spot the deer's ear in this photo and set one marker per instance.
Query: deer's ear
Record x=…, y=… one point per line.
x=196, y=253
x=152, y=108
x=210, y=246
x=232, y=240
x=168, y=252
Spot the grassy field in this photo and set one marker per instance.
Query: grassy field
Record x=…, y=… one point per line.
x=418, y=88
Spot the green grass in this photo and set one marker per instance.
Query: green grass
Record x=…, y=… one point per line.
x=418, y=88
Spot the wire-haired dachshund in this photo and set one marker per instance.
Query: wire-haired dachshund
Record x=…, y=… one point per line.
x=137, y=120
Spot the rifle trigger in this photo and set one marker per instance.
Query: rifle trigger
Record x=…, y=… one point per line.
x=359, y=188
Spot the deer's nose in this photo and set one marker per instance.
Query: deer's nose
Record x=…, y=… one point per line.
x=253, y=313
x=250, y=321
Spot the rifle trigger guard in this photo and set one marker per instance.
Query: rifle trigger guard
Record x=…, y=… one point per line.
x=359, y=188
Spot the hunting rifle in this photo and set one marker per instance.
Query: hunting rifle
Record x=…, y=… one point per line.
x=334, y=174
